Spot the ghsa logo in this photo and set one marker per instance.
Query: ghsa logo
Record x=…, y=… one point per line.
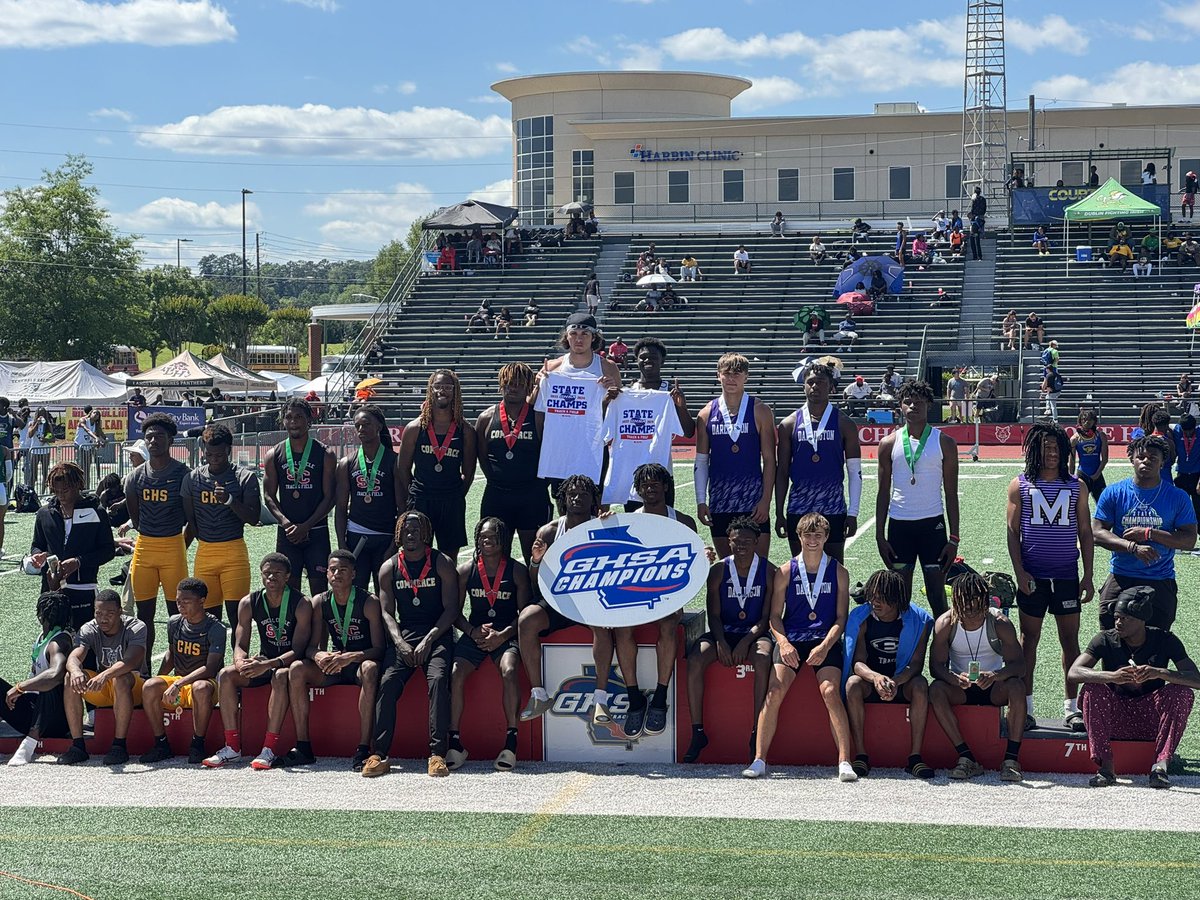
x=574, y=700
x=623, y=571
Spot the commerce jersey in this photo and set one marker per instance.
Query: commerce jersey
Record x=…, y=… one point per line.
x=572, y=432
x=274, y=640
x=521, y=469
x=8, y=427
x=1049, y=527
x=1087, y=451
x=40, y=657
x=216, y=522
x=735, y=478
x=881, y=641
x=1187, y=451
x=160, y=498
x=801, y=620
x=379, y=515
x=1126, y=506
x=737, y=619
x=1160, y=648
x=817, y=475
x=300, y=497
x=191, y=644
x=418, y=599
x=427, y=480
x=921, y=499
x=348, y=629
x=108, y=650
x=503, y=612
x=640, y=424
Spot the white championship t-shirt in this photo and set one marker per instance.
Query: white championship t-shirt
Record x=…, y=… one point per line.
x=572, y=443
x=640, y=424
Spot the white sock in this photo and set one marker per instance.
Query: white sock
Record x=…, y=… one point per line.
x=1071, y=705
x=539, y=693
x=24, y=752
x=599, y=697
x=1029, y=704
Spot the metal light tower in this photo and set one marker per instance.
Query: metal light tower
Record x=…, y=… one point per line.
x=985, y=124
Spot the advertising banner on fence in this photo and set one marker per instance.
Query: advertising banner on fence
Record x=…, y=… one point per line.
x=113, y=419
x=990, y=435
x=1041, y=205
x=185, y=417
x=625, y=570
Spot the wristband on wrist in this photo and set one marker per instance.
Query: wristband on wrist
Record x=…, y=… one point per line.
x=1147, y=535
x=954, y=539
x=1132, y=547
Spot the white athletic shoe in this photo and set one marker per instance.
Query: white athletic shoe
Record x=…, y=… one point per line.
x=846, y=772
x=264, y=760
x=89, y=720
x=223, y=756
x=24, y=753
x=756, y=769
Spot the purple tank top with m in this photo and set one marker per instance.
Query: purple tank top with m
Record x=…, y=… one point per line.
x=1049, y=528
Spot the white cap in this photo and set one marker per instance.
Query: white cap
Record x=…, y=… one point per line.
x=139, y=448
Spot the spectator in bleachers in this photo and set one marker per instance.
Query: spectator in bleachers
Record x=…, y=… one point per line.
x=532, y=311
x=859, y=230
x=689, y=269
x=1189, y=251
x=591, y=294
x=591, y=225
x=669, y=299
x=1093, y=177
x=956, y=396
x=985, y=396
x=504, y=321
x=849, y=257
x=1051, y=389
x=446, y=259
x=1184, y=389
x=512, y=239
x=1041, y=241
x=890, y=383
x=977, y=236
x=778, y=225
x=956, y=220
x=741, y=261
x=481, y=319
x=1016, y=181
x=1150, y=247
x=1150, y=174
x=1188, y=206
x=847, y=332
x=1120, y=255
x=878, y=287
x=650, y=302
x=474, y=250
x=618, y=352
x=661, y=268
x=817, y=250
x=941, y=226
x=978, y=208
x=1010, y=331
x=1035, y=327
x=857, y=392
x=898, y=250
x=814, y=329
x=956, y=240
x=1050, y=354
x=922, y=255
x=1143, y=268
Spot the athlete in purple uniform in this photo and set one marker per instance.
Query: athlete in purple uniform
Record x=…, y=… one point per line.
x=735, y=457
x=1048, y=528
x=818, y=451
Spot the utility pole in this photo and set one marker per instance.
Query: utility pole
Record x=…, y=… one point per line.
x=257, y=266
x=178, y=259
x=245, y=273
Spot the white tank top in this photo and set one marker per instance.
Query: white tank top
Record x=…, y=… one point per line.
x=671, y=514
x=969, y=645
x=593, y=368
x=572, y=400
x=922, y=500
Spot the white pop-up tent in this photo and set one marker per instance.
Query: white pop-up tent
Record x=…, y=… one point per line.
x=251, y=382
x=187, y=371
x=70, y=382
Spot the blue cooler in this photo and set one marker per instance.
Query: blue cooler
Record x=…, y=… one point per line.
x=1083, y=254
x=880, y=416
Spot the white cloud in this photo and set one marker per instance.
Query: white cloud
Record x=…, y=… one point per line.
x=406, y=87
x=488, y=98
x=774, y=90
x=110, y=112
x=1187, y=14
x=1053, y=31
x=318, y=130
x=641, y=58
x=506, y=67
x=1140, y=84
x=40, y=24
x=500, y=192
x=323, y=5
x=173, y=214
x=708, y=44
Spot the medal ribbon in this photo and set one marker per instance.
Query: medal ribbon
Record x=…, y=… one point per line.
x=1187, y=445
x=402, y=566
x=510, y=434
x=909, y=456
x=440, y=450
x=491, y=591
x=812, y=592
x=281, y=620
x=739, y=593
x=39, y=647
x=294, y=473
x=372, y=478
x=345, y=621
x=813, y=437
x=735, y=424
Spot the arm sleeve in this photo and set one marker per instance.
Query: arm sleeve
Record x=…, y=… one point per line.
x=854, y=477
x=701, y=477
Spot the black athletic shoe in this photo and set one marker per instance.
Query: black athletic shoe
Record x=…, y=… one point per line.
x=294, y=757
x=656, y=719
x=73, y=756
x=196, y=754
x=360, y=757
x=696, y=747
x=634, y=720
x=156, y=754
x=117, y=756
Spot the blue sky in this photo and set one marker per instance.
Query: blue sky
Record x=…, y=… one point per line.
x=349, y=118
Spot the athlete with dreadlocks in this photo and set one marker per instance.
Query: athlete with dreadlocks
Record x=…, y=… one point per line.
x=1143, y=520
x=976, y=660
x=436, y=463
x=497, y=588
x=369, y=497
x=34, y=705
x=886, y=639
x=509, y=438
x=918, y=467
x=1048, y=536
x=1090, y=447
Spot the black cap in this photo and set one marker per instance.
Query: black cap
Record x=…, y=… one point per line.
x=581, y=320
x=1137, y=601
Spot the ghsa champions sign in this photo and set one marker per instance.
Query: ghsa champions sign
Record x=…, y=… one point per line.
x=626, y=570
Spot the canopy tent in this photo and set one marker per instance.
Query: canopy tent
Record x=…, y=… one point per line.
x=71, y=382
x=1109, y=202
x=468, y=214
x=285, y=382
x=330, y=388
x=186, y=371
x=251, y=382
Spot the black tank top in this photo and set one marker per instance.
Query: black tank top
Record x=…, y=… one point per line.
x=882, y=641
x=519, y=471
x=505, y=608
x=419, y=612
x=267, y=621
x=426, y=477
x=357, y=635
x=380, y=513
x=310, y=486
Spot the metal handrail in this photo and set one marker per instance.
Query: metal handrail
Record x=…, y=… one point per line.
x=921, y=352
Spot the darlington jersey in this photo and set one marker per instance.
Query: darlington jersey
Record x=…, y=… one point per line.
x=740, y=613
x=1049, y=527
x=433, y=476
x=378, y=516
x=191, y=644
x=503, y=612
x=521, y=468
x=1087, y=450
x=159, y=494
x=735, y=481
x=802, y=620
x=417, y=587
x=347, y=625
x=817, y=473
x=216, y=522
x=267, y=620
x=308, y=483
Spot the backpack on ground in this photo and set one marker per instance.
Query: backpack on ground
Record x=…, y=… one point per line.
x=25, y=499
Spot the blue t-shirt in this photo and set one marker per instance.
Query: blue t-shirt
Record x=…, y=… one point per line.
x=1165, y=507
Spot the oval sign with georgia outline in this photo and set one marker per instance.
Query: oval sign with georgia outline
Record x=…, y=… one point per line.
x=626, y=570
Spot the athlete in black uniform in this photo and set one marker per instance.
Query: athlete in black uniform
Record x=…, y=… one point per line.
x=346, y=647
x=298, y=488
x=369, y=496
x=437, y=462
x=284, y=621
x=420, y=602
x=497, y=587
x=510, y=443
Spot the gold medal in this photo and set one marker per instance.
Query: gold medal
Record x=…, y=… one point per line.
x=742, y=614
x=735, y=449
x=812, y=616
x=295, y=495
x=367, y=498
x=816, y=457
